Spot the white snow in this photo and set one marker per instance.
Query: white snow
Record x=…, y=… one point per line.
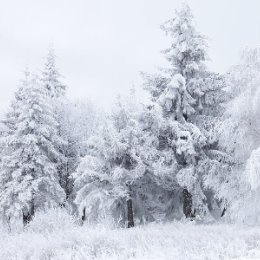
x=55, y=236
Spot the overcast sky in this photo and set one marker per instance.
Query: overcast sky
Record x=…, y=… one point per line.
x=102, y=45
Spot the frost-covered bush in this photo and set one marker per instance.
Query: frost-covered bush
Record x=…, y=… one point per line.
x=52, y=220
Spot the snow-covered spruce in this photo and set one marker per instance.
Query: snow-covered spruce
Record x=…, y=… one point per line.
x=183, y=97
x=29, y=178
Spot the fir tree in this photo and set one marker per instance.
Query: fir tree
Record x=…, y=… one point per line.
x=57, y=92
x=180, y=95
x=29, y=178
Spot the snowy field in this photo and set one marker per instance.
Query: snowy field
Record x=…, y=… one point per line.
x=61, y=239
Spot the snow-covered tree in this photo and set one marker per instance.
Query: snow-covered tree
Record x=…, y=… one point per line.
x=78, y=122
x=106, y=176
x=239, y=135
x=28, y=173
x=187, y=55
x=51, y=77
x=183, y=95
x=56, y=90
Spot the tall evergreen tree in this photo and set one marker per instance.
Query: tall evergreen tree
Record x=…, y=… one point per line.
x=29, y=178
x=75, y=123
x=50, y=79
x=180, y=95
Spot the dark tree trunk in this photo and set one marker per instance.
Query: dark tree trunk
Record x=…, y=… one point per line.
x=130, y=214
x=84, y=215
x=25, y=219
x=187, y=204
x=29, y=216
x=223, y=212
x=32, y=209
x=67, y=181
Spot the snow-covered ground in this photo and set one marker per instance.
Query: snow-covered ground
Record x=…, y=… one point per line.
x=59, y=238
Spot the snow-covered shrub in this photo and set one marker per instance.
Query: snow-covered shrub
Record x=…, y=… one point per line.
x=51, y=220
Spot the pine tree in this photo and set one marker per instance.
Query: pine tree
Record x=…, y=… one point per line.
x=182, y=95
x=29, y=178
x=50, y=79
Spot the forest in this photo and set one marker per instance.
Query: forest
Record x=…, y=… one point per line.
x=187, y=157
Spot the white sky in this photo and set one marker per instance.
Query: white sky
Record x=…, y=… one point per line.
x=102, y=45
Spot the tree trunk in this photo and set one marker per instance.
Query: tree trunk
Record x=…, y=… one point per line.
x=187, y=204
x=84, y=215
x=223, y=212
x=27, y=218
x=67, y=182
x=130, y=214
